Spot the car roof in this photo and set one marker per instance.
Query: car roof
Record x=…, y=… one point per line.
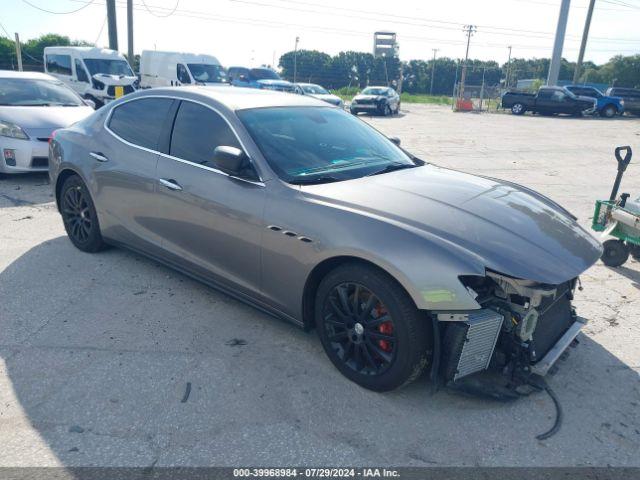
x=25, y=75
x=85, y=52
x=239, y=98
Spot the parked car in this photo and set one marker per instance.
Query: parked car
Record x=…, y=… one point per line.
x=32, y=105
x=548, y=101
x=381, y=100
x=312, y=215
x=606, y=106
x=259, y=78
x=164, y=69
x=98, y=74
x=321, y=93
x=631, y=97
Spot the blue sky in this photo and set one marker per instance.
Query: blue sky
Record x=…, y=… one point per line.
x=257, y=31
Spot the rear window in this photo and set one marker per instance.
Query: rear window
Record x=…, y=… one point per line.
x=59, y=64
x=140, y=121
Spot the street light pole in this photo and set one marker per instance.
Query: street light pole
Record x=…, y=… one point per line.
x=556, y=58
x=433, y=69
x=506, y=80
x=470, y=29
x=295, y=60
x=583, y=45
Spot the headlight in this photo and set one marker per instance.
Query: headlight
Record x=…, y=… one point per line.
x=97, y=84
x=11, y=130
x=622, y=103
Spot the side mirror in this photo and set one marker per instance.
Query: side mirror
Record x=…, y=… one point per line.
x=89, y=103
x=230, y=160
x=395, y=140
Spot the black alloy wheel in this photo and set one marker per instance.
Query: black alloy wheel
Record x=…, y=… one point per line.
x=359, y=328
x=614, y=253
x=370, y=328
x=79, y=216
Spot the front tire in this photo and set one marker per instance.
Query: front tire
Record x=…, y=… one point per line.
x=518, y=109
x=609, y=111
x=370, y=328
x=79, y=216
x=387, y=110
x=614, y=253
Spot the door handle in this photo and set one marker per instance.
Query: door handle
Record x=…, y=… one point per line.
x=98, y=156
x=170, y=184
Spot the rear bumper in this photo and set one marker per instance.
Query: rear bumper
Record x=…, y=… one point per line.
x=543, y=366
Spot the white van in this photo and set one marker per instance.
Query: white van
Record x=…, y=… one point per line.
x=168, y=69
x=97, y=74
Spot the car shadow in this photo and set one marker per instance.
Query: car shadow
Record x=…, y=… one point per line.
x=630, y=273
x=24, y=189
x=111, y=359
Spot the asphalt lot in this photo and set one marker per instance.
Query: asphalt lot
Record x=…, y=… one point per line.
x=96, y=350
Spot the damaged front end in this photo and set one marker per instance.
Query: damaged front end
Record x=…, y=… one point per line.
x=521, y=330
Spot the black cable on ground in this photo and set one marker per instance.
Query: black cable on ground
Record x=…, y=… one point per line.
x=558, y=422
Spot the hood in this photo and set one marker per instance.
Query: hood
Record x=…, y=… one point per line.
x=275, y=83
x=367, y=97
x=328, y=97
x=44, y=119
x=507, y=228
x=114, y=79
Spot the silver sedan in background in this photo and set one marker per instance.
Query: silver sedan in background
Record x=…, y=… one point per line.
x=32, y=106
x=319, y=92
x=310, y=214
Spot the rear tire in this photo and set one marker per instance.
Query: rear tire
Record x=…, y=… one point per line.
x=615, y=253
x=518, y=109
x=377, y=354
x=79, y=216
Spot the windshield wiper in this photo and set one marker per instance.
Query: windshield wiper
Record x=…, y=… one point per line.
x=392, y=167
x=315, y=180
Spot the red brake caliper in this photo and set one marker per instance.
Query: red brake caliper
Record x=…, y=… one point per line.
x=385, y=328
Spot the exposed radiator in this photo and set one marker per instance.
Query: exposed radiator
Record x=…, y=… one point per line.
x=477, y=337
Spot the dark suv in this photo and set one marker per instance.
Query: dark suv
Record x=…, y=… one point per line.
x=631, y=97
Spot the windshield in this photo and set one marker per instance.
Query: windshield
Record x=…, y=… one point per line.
x=30, y=92
x=374, y=91
x=313, y=89
x=304, y=144
x=108, y=66
x=207, y=73
x=263, y=74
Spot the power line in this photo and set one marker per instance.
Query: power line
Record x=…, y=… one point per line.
x=175, y=7
x=101, y=30
x=58, y=13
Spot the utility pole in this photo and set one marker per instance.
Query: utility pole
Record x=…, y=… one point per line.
x=469, y=29
x=556, y=58
x=18, y=52
x=295, y=60
x=583, y=45
x=112, y=24
x=506, y=80
x=433, y=69
x=130, y=31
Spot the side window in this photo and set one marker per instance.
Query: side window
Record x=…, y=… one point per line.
x=197, y=131
x=558, y=96
x=182, y=74
x=140, y=121
x=545, y=94
x=59, y=64
x=80, y=72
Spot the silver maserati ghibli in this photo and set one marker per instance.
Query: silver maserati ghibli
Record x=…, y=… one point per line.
x=310, y=214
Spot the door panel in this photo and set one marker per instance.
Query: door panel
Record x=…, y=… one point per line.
x=210, y=223
x=125, y=172
x=213, y=223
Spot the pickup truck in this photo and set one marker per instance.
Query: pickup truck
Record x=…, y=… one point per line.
x=607, y=106
x=631, y=97
x=548, y=101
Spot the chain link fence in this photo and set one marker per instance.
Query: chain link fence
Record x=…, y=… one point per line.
x=476, y=98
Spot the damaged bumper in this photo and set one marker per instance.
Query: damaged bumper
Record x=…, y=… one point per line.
x=543, y=366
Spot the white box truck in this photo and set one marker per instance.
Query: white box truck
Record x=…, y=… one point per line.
x=170, y=69
x=97, y=74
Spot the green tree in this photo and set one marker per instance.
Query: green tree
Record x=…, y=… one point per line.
x=311, y=65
